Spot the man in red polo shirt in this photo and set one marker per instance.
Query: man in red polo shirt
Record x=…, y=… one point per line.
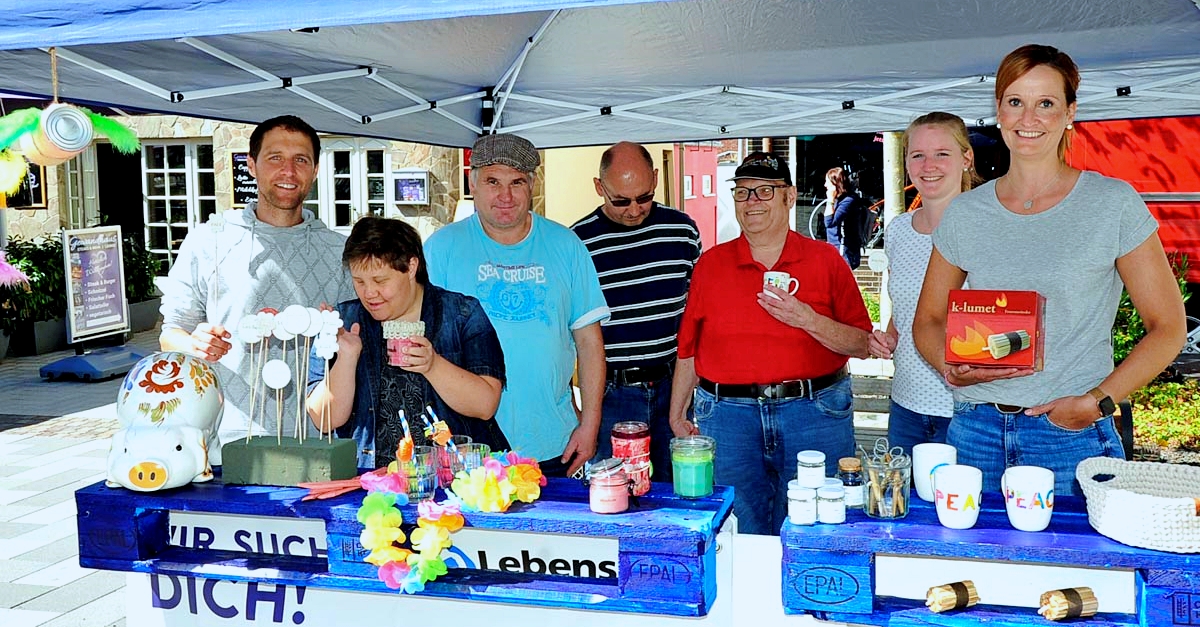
x=768, y=368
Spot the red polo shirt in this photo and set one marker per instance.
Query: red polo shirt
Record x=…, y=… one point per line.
x=735, y=340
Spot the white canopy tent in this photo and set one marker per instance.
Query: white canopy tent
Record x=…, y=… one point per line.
x=592, y=71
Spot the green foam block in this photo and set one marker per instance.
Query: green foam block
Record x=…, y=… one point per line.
x=263, y=461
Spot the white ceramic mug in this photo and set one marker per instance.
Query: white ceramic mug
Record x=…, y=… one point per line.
x=1028, y=496
x=780, y=280
x=926, y=458
x=957, y=490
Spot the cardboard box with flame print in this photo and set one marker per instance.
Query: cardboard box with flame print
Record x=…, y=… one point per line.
x=995, y=328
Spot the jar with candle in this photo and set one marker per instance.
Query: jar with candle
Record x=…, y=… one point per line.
x=831, y=505
x=608, y=486
x=692, y=465
x=631, y=443
x=802, y=506
x=810, y=469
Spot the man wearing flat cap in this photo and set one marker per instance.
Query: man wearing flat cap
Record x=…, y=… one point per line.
x=539, y=288
x=768, y=365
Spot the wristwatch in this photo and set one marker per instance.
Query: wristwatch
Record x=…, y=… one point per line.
x=1107, y=406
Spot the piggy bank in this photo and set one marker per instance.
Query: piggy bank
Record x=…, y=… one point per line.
x=171, y=400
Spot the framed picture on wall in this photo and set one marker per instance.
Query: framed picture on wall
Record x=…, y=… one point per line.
x=687, y=186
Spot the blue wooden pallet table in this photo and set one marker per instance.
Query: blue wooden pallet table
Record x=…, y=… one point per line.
x=829, y=571
x=667, y=545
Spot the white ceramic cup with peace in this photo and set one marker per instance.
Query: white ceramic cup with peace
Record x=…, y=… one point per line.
x=1028, y=496
x=927, y=457
x=780, y=280
x=957, y=490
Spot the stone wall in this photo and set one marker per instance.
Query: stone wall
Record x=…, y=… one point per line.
x=31, y=224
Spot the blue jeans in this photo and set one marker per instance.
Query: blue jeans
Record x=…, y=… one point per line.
x=907, y=428
x=992, y=440
x=757, y=442
x=644, y=402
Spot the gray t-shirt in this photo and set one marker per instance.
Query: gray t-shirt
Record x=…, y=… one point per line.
x=1068, y=255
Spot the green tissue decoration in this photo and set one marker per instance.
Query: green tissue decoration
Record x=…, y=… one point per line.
x=18, y=123
x=123, y=139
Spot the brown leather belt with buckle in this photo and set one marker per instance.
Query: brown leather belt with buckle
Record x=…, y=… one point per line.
x=635, y=376
x=798, y=388
x=1008, y=409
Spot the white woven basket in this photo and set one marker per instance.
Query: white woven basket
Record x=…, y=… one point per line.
x=1145, y=504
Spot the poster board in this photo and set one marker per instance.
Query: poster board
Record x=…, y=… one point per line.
x=245, y=187
x=95, y=279
x=32, y=193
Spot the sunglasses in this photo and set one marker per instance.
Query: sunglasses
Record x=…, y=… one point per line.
x=625, y=202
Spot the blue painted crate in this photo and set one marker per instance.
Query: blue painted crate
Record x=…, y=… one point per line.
x=666, y=545
x=829, y=570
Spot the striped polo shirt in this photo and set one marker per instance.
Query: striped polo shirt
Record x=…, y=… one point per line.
x=644, y=271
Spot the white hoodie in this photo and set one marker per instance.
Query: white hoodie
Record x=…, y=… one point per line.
x=226, y=272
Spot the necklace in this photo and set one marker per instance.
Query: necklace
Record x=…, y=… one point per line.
x=1028, y=204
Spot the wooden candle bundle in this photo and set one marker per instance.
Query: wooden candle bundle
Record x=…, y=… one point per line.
x=1068, y=603
x=951, y=596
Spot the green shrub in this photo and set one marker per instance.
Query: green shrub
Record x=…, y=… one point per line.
x=45, y=298
x=1167, y=415
x=872, y=303
x=1128, y=327
x=140, y=266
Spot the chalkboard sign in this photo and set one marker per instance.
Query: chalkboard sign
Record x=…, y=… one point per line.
x=32, y=194
x=245, y=188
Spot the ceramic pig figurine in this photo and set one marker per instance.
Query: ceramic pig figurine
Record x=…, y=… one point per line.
x=169, y=408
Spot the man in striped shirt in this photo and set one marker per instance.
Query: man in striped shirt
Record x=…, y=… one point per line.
x=643, y=253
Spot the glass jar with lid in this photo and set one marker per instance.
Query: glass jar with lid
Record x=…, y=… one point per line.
x=831, y=505
x=810, y=469
x=608, y=486
x=802, y=506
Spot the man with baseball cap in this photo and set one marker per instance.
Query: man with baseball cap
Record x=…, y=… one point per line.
x=539, y=288
x=768, y=365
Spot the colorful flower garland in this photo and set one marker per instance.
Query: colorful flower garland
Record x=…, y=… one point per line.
x=503, y=479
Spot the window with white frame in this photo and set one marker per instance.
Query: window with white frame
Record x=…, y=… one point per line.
x=179, y=190
x=351, y=182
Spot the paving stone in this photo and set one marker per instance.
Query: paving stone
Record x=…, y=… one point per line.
x=25, y=618
x=58, y=479
x=13, y=512
x=60, y=494
x=14, y=594
x=106, y=610
x=13, y=529
x=11, y=570
x=53, y=552
x=120, y=623
x=56, y=575
x=78, y=593
x=32, y=540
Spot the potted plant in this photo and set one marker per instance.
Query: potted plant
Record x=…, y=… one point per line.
x=141, y=268
x=33, y=313
x=10, y=277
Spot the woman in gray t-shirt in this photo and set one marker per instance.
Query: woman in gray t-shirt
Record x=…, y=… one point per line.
x=1075, y=238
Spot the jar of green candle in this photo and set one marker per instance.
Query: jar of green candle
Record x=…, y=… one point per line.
x=692, y=465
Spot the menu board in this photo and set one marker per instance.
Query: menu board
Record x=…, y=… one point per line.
x=245, y=188
x=95, y=283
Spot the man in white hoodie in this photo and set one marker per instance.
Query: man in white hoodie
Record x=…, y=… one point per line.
x=272, y=254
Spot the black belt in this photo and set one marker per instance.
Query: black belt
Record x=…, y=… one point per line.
x=799, y=388
x=635, y=376
x=1009, y=409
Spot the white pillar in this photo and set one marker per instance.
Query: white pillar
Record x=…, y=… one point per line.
x=893, y=204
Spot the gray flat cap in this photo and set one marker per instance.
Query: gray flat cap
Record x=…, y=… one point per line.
x=510, y=150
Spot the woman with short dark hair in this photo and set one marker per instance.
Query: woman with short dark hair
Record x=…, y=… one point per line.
x=456, y=366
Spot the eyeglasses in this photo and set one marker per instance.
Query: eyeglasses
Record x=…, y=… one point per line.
x=625, y=202
x=762, y=192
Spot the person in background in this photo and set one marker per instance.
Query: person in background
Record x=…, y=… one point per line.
x=644, y=253
x=1022, y=232
x=540, y=290
x=940, y=164
x=843, y=216
x=273, y=253
x=768, y=368
x=457, y=367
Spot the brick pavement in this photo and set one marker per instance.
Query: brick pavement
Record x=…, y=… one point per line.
x=53, y=441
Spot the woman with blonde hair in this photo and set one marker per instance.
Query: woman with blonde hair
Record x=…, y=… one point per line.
x=940, y=164
x=1075, y=238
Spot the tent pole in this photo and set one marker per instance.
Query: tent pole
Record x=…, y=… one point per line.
x=509, y=80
